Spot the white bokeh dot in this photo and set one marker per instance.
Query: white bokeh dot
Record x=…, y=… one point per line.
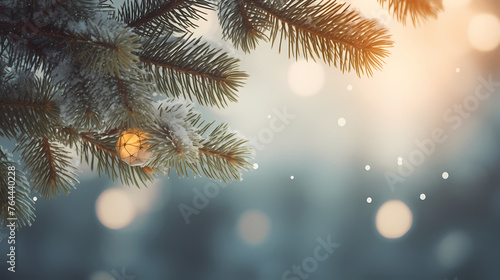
x=458, y=70
x=35, y=198
x=292, y=177
x=400, y=161
x=255, y=166
x=369, y=200
x=445, y=175
x=253, y=227
x=349, y=87
x=367, y=167
x=422, y=196
x=342, y=122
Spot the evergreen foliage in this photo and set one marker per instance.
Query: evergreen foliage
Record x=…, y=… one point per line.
x=75, y=74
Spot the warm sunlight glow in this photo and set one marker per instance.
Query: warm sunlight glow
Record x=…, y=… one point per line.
x=306, y=78
x=484, y=32
x=115, y=208
x=394, y=219
x=455, y=3
x=253, y=227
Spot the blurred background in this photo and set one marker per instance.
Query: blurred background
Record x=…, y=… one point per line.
x=397, y=174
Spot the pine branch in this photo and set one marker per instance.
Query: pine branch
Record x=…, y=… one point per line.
x=48, y=164
x=23, y=204
x=220, y=155
x=28, y=108
x=181, y=66
x=242, y=24
x=174, y=140
x=24, y=55
x=104, y=51
x=416, y=9
x=224, y=154
x=327, y=30
x=127, y=101
x=81, y=108
x=175, y=15
x=95, y=47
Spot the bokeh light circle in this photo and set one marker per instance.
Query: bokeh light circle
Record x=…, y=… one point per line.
x=394, y=219
x=306, y=78
x=453, y=249
x=253, y=227
x=115, y=208
x=341, y=122
x=484, y=32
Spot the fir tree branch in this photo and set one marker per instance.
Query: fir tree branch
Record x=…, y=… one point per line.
x=224, y=154
x=327, y=30
x=28, y=108
x=81, y=105
x=220, y=155
x=242, y=24
x=49, y=166
x=127, y=100
x=174, y=140
x=192, y=69
x=124, y=96
x=110, y=52
x=416, y=9
x=174, y=15
x=97, y=48
x=23, y=205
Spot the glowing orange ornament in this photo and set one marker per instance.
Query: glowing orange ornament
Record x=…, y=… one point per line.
x=132, y=147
